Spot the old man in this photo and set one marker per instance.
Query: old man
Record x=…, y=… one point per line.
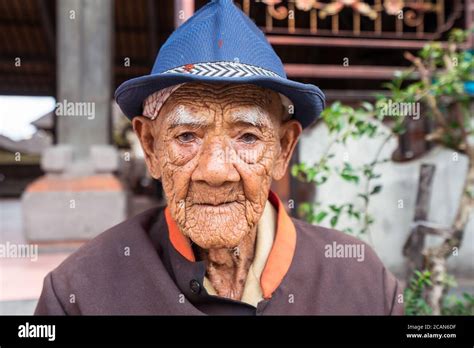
x=218, y=121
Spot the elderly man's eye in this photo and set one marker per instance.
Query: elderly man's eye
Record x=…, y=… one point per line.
x=186, y=137
x=249, y=138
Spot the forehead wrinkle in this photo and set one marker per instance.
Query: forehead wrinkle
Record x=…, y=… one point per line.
x=223, y=93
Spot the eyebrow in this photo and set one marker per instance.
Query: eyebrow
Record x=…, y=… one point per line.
x=255, y=119
x=185, y=119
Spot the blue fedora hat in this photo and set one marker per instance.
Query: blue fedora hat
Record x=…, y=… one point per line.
x=219, y=43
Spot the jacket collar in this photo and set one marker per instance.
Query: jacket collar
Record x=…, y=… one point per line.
x=279, y=259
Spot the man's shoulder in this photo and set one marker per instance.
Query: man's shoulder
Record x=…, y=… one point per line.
x=346, y=272
x=109, y=247
x=319, y=233
x=119, y=271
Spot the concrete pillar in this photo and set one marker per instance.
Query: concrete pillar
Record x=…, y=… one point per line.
x=79, y=197
x=84, y=51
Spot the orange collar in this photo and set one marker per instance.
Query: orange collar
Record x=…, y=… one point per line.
x=279, y=259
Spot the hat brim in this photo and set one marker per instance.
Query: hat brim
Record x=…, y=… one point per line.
x=308, y=100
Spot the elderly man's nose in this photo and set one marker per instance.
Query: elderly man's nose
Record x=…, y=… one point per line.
x=215, y=166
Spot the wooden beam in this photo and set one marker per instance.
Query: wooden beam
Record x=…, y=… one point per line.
x=47, y=24
x=342, y=72
x=10, y=60
x=293, y=40
x=353, y=94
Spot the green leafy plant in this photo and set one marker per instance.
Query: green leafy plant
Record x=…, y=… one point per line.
x=454, y=305
x=416, y=292
x=415, y=303
x=344, y=123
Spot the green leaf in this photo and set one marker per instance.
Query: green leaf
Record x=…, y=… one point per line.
x=398, y=128
x=320, y=216
x=311, y=174
x=376, y=189
x=295, y=170
x=368, y=106
x=305, y=208
x=348, y=177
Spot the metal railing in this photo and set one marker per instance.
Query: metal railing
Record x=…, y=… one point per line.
x=406, y=19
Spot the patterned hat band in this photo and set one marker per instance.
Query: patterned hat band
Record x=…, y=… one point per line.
x=222, y=69
x=153, y=103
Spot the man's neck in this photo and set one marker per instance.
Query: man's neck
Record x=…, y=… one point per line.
x=227, y=269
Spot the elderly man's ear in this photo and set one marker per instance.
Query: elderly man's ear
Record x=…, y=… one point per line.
x=145, y=131
x=289, y=134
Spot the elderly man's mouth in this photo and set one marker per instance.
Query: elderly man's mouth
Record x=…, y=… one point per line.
x=216, y=205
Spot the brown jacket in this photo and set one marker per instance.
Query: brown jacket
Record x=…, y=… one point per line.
x=146, y=266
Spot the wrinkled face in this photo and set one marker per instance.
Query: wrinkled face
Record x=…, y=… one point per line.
x=216, y=149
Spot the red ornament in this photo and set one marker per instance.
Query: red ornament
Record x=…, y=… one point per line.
x=189, y=67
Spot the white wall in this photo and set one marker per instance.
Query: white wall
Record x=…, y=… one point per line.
x=400, y=181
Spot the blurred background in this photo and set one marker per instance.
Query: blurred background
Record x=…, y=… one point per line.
x=71, y=167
